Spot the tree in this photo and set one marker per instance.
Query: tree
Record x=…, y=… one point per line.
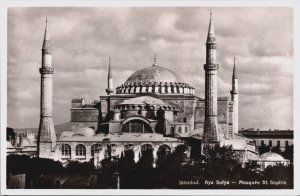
x=32, y=167
x=263, y=149
x=74, y=167
x=10, y=134
x=277, y=150
x=146, y=160
x=220, y=162
x=172, y=167
x=289, y=153
x=126, y=167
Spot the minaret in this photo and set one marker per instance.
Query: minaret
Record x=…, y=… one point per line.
x=210, y=133
x=110, y=87
x=46, y=134
x=235, y=98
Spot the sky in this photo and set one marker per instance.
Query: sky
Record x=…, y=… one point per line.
x=261, y=40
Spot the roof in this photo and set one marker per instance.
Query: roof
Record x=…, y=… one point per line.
x=9, y=145
x=80, y=132
x=239, y=142
x=123, y=137
x=144, y=100
x=268, y=134
x=154, y=74
x=271, y=156
x=80, y=100
x=147, y=101
x=155, y=80
x=26, y=142
x=224, y=98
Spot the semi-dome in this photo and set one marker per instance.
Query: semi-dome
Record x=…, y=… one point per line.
x=86, y=131
x=271, y=156
x=157, y=80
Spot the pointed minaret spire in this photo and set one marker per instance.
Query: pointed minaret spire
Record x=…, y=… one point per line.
x=46, y=42
x=110, y=87
x=234, y=90
x=234, y=75
x=154, y=60
x=211, y=32
x=235, y=98
x=109, y=69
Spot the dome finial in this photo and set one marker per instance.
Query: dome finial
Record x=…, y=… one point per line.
x=154, y=60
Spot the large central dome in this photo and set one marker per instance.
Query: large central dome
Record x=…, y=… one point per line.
x=154, y=74
x=155, y=80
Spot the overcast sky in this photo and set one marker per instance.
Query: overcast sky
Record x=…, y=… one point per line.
x=261, y=39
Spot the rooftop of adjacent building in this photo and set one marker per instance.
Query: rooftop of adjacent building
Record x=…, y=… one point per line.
x=266, y=132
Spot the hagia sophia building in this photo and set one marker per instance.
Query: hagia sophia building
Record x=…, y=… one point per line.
x=154, y=109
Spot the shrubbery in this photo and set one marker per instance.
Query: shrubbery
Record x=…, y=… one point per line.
x=216, y=163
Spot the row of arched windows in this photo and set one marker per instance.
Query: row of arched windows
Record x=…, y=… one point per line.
x=80, y=150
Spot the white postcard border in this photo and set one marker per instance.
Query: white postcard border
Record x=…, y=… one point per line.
x=126, y=3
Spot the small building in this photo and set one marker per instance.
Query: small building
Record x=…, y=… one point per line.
x=270, y=159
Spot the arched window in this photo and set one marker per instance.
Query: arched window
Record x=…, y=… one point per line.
x=95, y=148
x=128, y=151
x=163, y=151
x=147, y=149
x=80, y=151
x=136, y=126
x=186, y=129
x=66, y=151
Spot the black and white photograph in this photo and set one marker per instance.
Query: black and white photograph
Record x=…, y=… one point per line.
x=159, y=97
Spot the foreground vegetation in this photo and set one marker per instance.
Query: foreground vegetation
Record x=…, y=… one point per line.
x=217, y=168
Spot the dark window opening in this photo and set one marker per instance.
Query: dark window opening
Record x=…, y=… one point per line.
x=163, y=151
x=95, y=148
x=278, y=143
